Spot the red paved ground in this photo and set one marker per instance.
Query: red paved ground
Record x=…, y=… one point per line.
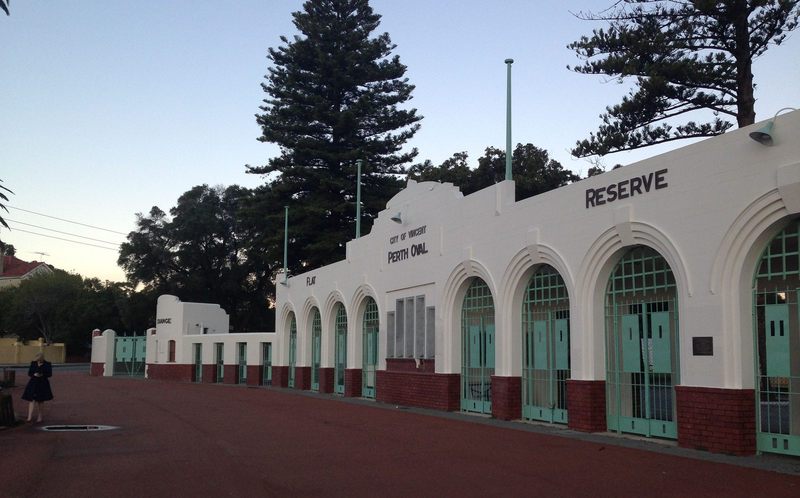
x=205, y=440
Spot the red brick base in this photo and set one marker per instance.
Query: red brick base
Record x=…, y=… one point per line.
x=302, y=378
x=586, y=405
x=231, y=374
x=170, y=371
x=209, y=374
x=426, y=390
x=352, y=382
x=716, y=420
x=326, y=380
x=280, y=376
x=506, y=397
x=97, y=369
x=254, y=375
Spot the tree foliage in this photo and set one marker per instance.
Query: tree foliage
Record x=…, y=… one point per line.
x=685, y=56
x=533, y=170
x=334, y=95
x=4, y=198
x=4, y=6
x=201, y=252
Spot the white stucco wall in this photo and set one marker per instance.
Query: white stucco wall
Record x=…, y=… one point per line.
x=720, y=201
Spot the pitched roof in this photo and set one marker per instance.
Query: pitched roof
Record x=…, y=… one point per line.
x=14, y=267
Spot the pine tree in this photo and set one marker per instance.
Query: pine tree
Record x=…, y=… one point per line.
x=334, y=96
x=686, y=56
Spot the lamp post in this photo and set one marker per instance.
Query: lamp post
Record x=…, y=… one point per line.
x=508, y=118
x=358, y=198
x=285, y=245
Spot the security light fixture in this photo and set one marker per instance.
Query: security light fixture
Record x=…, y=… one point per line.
x=763, y=135
x=397, y=218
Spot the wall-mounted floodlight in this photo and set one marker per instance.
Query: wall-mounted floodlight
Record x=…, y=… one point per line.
x=397, y=218
x=763, y=135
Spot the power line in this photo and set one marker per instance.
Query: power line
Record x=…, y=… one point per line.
x=67, y=221
x=65, y=240
x=64, y=233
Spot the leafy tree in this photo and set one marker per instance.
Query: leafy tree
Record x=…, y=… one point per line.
x=333, y=96
x=2, y=206
x=199, y=253
x=685, y=56
x=4, y=6
x=454, y=169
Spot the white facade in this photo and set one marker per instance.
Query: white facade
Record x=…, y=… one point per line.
x=179, y=321
x=708, y=209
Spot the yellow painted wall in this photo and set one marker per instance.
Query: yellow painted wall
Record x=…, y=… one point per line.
x=14, y=352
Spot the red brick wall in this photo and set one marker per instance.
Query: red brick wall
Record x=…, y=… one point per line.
x=209, y=374
x=302, y=378
x=97, y=369
x=410, y=365
x=231, y=374
x=426, y=390
x=254, y=375
x=280, y=376
x=716, y=420
x=326, y=380
x=506, y=397
x=352, y=382
x=586, y=405
x=170, y=371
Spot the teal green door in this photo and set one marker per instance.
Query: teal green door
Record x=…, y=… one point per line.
x=241, y=377
x=129, y=355
x=198, y=363
x=776, y=323
x=642, y=345
x=316, y=348
x=477, y=348
x=219, y=361
x=266, y=363
x=545, y=358
x=369, y=349
x=341, y=350
x=292, y=350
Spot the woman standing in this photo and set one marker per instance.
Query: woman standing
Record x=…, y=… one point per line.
x=38, y=389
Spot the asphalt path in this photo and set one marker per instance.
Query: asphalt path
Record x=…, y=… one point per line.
x=179, y=439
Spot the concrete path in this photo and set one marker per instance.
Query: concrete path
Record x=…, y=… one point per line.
x=179, y=439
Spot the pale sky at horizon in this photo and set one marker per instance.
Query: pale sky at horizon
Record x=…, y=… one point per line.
x=108, y=108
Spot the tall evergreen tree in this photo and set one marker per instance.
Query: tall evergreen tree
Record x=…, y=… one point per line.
x=334, y=96
x=686, y=55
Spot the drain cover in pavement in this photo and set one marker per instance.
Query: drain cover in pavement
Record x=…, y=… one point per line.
x=77, y=428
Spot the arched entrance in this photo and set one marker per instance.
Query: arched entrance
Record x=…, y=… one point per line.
x=340, y=334
x=642, y=345
x=316, y=347
x=545, y=342
x=477, y=348
x=369, y=343
x=292, y=348
x=776, y=314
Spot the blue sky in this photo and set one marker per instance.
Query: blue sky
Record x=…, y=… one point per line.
x=108, y=107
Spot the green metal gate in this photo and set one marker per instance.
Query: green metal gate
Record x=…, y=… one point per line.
x=129, y=355
x=642, y=345
x=369, y=349
x=341, y=350
x=266, y=363
x=198, y=362
x=316, y=348
x=776, y=317
x=219, y=360
x=292, y=349
x=545, y=358
x=241, y=371
x=477, y=348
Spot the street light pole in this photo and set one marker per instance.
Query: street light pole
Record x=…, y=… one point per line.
x=508, y=119
x=358, y=198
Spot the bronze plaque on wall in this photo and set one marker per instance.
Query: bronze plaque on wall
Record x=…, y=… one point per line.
x=703, y=346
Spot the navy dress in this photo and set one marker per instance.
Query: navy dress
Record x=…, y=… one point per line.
x=38, y=388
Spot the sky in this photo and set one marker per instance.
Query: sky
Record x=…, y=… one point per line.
x=109, y=107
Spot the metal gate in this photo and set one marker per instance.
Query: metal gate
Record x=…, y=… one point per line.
x=642, y=345
x=219, y=360
x=198, y=363
x=129, y=355
x=477, y=348
x=292, y=350
x=776, y=317
x=241, y=371
x=316, y=348
x=266, y=363
x=341, y=350
x=369, y=349
x=545, y=358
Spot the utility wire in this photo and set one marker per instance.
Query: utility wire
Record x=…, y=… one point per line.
x=66, y=240
x=68, y=221
x=64, y=233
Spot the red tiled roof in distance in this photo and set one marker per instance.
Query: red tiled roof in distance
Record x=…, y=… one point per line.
x=14, y=267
